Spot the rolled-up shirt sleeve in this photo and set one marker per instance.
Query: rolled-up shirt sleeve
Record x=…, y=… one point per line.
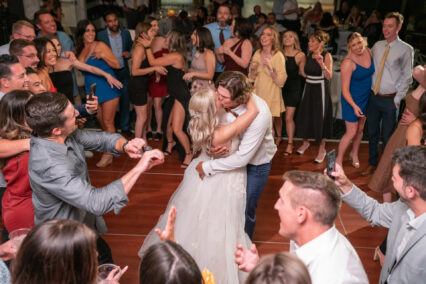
x=75, y=189
x=98, y=141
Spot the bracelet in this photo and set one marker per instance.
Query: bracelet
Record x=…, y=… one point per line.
x=124, y=146
x=147, y=47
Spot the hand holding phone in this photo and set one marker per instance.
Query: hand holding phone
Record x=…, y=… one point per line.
x=92, y=91
x=331, y=161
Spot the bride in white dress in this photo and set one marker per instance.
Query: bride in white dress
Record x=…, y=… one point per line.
x=210, y=219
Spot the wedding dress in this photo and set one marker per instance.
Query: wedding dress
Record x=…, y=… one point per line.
x=210, y=219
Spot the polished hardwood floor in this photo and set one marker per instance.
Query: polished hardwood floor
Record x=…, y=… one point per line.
x=149, y=197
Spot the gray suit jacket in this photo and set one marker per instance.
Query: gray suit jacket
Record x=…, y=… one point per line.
x=411, y=266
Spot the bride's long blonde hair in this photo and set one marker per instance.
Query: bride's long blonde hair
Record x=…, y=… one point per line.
x=202, y=108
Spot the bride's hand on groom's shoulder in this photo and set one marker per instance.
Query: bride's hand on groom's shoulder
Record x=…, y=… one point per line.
x=246, y=259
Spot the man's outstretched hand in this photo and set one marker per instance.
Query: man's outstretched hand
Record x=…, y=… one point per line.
x=246, y=259
x=150, y=159
x=135, y=148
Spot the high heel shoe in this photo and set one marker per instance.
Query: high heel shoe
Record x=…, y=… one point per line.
x=167, y=152
x=302, y=149
x=321, y=159
x=288, y=153
x=185, y=165
x=354, y=164
x=104, y=161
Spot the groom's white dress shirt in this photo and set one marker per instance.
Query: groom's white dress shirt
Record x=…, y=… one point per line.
x=257, y=145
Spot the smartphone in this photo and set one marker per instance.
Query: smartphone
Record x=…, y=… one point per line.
x=92, y=91
x=331, y=161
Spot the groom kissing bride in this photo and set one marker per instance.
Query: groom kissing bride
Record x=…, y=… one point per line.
x=211, y=219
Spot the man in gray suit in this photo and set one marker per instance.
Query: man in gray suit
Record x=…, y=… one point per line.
x=406, y=218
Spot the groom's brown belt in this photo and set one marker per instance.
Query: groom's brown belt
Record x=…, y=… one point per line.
x=386, y=96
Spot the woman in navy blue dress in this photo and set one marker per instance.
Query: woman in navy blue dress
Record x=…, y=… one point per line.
x=356, y=71
x=98, y=54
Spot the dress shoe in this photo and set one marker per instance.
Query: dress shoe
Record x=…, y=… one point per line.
x=368, y=170
x=319, y=159
x=302, y=149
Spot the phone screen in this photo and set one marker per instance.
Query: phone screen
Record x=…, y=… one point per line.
x=92, y=91
x=331, y=160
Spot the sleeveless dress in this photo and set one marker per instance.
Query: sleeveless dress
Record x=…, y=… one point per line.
x=198, y=65
x=382, y=177
x=210, y=219
x=63, y=81
x=360, y=88
x=138, y=86
x=158, y=90
x=314, y=118
x=104, y=92
x=292, y=90
x=230, y=64
x=17, y=205
x=176, y=87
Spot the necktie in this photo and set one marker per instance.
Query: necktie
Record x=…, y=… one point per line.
x=221, y=37
x=382, y=66
x=232, y=112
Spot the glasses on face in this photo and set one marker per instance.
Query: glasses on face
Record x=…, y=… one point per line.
x=30, y=56
x=28, y=37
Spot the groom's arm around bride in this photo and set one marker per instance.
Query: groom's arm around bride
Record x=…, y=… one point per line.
x=256, y=148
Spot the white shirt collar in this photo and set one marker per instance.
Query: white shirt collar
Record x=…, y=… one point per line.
x=414, y=222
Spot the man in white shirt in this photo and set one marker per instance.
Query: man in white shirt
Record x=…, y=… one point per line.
x=257, y=147
x=307, y=206
x=20, y=30
x=393, y=62
x=406, y=218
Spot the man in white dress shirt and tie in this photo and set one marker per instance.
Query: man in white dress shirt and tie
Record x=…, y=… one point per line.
x=257, y=147
x=393, y=63
x=308, y=205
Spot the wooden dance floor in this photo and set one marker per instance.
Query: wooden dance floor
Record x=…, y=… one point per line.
x=149, y=197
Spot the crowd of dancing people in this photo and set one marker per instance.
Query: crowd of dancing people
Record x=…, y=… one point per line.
x=223, y=98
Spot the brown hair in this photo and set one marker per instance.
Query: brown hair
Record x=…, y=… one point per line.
x=281, y=268
x=399, y=18
x=12, y=115
x=57, y=251
x=237, y=84
x=320, y=36
x=353, y=36
x=17, y=45
x=141, y=28
x=316, y=192
x=19, y=24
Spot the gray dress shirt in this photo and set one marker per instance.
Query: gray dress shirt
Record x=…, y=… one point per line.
x=117, y=46
x=60, y=180
x=396, y=77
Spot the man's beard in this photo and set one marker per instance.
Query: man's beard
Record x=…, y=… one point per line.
x=115, y=28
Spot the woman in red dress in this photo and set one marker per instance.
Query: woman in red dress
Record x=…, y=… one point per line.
x=17, y=206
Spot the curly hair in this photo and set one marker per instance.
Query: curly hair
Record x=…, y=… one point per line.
x=202, y=108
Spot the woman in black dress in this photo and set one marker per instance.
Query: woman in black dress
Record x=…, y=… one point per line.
x=175, y=63
x=314, y=119
x=292, y=90
x=139, y=80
